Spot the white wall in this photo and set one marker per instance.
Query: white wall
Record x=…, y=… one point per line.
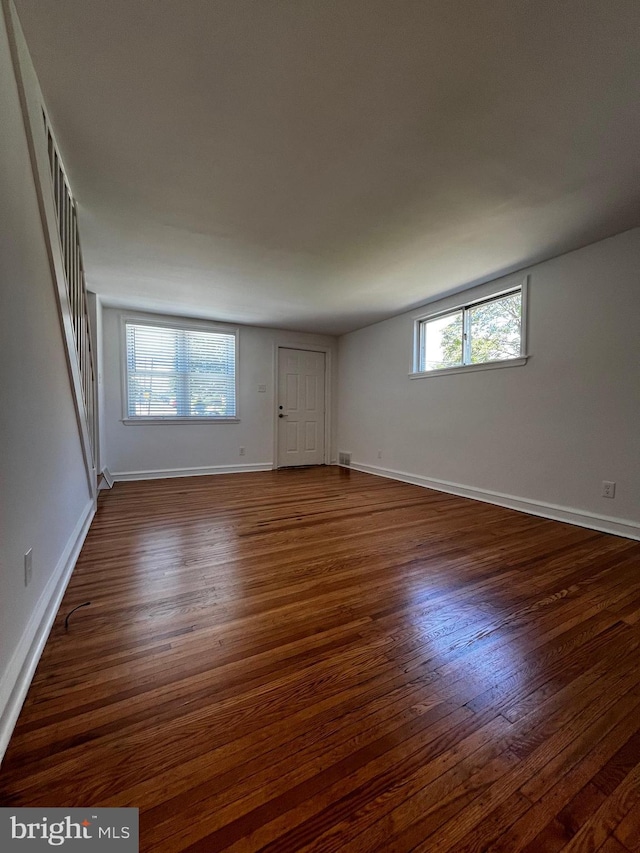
x=547, y=432
x=148, y=448
x=44, y=493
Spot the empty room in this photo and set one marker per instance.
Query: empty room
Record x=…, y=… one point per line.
x=320, y=435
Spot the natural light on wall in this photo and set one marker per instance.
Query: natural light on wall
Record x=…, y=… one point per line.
x=179, y=372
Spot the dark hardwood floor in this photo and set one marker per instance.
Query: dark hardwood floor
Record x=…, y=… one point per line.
x=323, y=660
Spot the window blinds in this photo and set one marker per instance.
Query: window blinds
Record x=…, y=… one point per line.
x=180, y=372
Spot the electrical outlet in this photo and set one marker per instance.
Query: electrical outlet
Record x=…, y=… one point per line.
x=242, y=451
x=379, y=454
x=608, y=489
x=28, y=567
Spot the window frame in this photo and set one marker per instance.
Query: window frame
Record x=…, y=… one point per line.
x=163, y=321
x=465, y=307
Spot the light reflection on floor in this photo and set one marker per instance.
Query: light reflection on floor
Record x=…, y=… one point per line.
x=446, y=633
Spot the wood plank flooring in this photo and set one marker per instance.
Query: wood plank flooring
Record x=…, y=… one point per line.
x=322, y=660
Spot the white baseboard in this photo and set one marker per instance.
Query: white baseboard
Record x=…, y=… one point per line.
x=602, y=523
x=106, y=481
x=161, y=473
x=16, y=681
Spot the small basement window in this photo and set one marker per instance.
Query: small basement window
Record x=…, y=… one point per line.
x=179, y=372
x=485, y=332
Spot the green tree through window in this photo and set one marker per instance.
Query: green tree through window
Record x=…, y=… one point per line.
x=485, y=331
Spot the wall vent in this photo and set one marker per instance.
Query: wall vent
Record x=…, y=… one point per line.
x=344, y=458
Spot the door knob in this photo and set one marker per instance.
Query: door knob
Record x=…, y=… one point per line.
x=281, y=415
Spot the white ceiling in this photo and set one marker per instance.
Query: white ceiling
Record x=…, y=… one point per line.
x=322, y=164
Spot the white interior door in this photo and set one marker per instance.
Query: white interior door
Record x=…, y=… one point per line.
x=301, y=380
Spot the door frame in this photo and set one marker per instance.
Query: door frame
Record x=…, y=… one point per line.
x=326, y=456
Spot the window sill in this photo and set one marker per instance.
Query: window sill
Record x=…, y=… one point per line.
x=173, y=420
x=471, y=368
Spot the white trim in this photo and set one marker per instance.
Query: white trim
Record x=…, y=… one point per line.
x=327, y=396
x=170, y=419
x=105, y=481
x=489, y=297
x=16, y=681
x=521, y=285
x=32, y=106
x=471, y=368
x=570, y=515
x=167, y=321
x=162, y=473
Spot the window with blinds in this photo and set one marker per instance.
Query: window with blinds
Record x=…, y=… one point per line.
x=179, y=372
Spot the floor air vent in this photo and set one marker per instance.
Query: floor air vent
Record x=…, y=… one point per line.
x=344, y=459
